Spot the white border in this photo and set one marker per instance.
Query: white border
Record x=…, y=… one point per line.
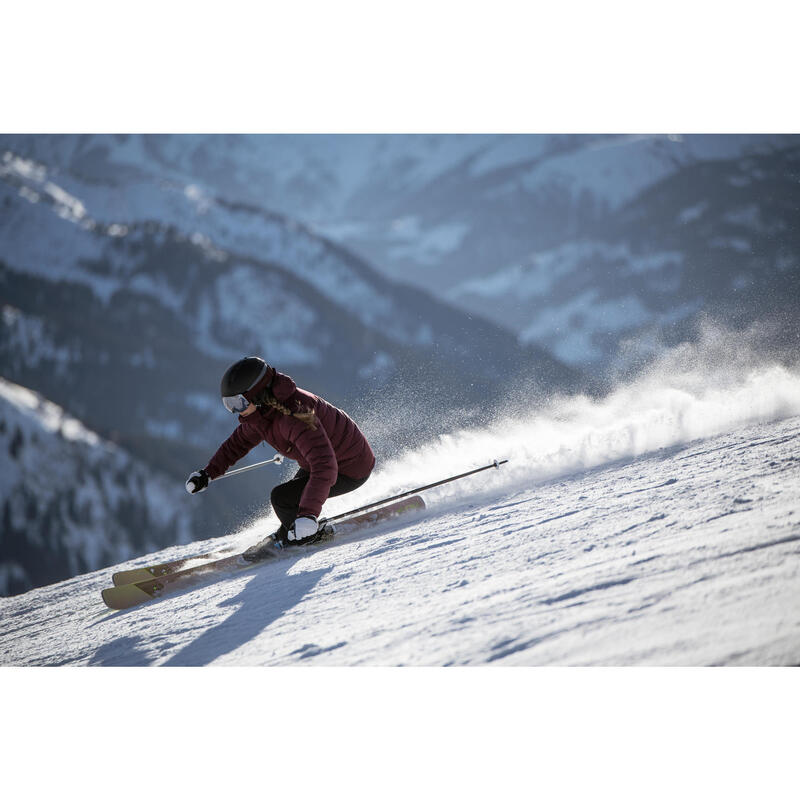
x=391, y=732
x=394, y=67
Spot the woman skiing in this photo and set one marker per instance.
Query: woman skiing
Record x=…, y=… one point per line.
x=333, y=454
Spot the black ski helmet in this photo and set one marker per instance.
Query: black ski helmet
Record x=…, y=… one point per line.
x=243, y=376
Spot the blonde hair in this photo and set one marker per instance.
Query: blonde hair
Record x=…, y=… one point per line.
x=304, y=415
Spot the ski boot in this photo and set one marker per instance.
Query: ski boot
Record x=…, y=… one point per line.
x=268, y=547
x=324, y=534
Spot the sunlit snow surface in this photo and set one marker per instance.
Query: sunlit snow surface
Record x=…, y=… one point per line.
x=685, y=556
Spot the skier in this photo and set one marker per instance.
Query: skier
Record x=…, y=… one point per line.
x=333, y=454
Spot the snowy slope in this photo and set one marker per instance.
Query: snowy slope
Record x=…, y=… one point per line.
x=656, y=526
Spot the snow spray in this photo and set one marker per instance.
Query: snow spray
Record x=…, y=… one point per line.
x=693, y=391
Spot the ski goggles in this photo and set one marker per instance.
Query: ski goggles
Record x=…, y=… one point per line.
x=236, y=404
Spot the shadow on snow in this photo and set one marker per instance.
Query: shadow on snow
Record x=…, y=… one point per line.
x=265, y=598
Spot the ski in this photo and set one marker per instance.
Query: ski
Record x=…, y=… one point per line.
x=415, y=503
x=147, y=582
x=129, y=595
x=165, y=568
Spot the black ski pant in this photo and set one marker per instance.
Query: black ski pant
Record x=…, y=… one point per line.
x=285, y=497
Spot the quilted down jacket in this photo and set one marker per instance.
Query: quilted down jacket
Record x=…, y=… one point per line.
x=335, y=446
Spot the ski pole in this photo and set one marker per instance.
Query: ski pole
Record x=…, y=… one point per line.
x=495, y=464
x=278, y=459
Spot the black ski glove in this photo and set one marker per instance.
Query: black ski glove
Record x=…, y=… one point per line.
x=198, y=482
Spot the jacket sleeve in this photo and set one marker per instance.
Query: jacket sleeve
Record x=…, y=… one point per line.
x=236, y=446
x=316, y=449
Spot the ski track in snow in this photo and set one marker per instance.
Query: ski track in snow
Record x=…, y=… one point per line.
x=685, y=556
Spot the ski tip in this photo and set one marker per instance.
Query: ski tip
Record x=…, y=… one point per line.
x=125, y=596
x=131, y=576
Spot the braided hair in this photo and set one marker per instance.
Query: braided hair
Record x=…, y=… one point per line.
x=305, y=415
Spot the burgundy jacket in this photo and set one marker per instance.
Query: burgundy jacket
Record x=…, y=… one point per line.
x=336, y=446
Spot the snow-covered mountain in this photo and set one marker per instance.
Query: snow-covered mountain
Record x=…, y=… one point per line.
x=72, y=502
x=170, y=306
x=717, y=238
x=571, y=242
x=654, y=526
